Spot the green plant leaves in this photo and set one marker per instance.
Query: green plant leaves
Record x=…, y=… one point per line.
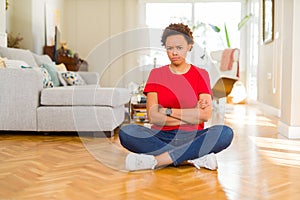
x=215, y=28
x=227, y=36
x=244, y=21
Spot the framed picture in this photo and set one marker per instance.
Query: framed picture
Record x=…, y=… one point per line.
x=268, y=20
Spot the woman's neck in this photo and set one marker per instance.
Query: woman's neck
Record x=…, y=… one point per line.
x=179, y=69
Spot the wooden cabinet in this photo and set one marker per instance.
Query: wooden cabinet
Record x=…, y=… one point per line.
x=72, y=64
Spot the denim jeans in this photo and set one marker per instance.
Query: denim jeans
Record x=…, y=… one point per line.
x=181, y=145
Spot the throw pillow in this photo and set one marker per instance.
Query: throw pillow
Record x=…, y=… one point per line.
x=73, y=78
x=61, y=67
x=47, y=82
x=61, y=79
x=42, y=59
x=52, y=72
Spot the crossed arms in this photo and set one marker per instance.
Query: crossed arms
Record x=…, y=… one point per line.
x=200, y=113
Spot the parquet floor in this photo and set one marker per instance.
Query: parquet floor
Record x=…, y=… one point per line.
x=260, y=164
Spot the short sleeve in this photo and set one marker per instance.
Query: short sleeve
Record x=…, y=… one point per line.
x=204, y=82
x=151, y=84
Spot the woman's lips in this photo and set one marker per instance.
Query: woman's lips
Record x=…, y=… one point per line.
x=175, y=58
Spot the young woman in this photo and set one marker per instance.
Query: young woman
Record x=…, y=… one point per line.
x=179, y=101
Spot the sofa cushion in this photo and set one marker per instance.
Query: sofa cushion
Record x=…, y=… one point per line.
x=84, y=95
x=17, y=64
x=18, y=54
x=79, y=118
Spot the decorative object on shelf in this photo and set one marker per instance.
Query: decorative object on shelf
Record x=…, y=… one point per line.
x=6, y=4
x=64, y=55
x=14, y=41
x=64, y=51
x=141, y=88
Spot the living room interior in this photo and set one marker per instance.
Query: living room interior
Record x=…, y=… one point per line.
x=266, y=120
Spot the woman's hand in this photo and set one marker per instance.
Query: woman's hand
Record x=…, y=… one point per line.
x=203, y=103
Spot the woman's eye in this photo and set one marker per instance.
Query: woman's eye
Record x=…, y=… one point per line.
x=169, y=48
x=179, y=48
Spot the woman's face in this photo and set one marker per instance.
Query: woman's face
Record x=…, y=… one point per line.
x=177, y=48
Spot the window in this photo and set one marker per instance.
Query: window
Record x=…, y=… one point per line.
x=217, y=14
x=159, y=15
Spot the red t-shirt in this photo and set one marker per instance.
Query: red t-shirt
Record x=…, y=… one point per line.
x=178, y=91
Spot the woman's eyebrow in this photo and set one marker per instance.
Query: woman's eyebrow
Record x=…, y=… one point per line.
x=180, y=45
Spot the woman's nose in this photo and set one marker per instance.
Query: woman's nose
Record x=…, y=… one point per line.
x=174, y=52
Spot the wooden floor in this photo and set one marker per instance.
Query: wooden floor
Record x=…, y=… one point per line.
x=260, y=164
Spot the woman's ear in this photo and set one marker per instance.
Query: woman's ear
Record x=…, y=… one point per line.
x=190, y=47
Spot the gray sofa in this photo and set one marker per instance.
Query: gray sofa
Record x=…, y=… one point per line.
x=25, y=105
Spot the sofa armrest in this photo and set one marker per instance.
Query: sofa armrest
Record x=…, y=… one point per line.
x=90, y=77
x=19, y=98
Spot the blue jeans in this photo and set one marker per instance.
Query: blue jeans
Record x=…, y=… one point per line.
x=181, y=145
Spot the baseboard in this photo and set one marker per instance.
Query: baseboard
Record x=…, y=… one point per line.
x=3, y=39
x=291, y=132
x=268, y=109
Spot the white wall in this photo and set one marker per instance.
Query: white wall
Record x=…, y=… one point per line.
x=19, y=20
x=278, y=68
x=92, y=24
x=289, y=124
x=27, y=17
x=87, y=23
x=270, y=64
x=3, y=40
